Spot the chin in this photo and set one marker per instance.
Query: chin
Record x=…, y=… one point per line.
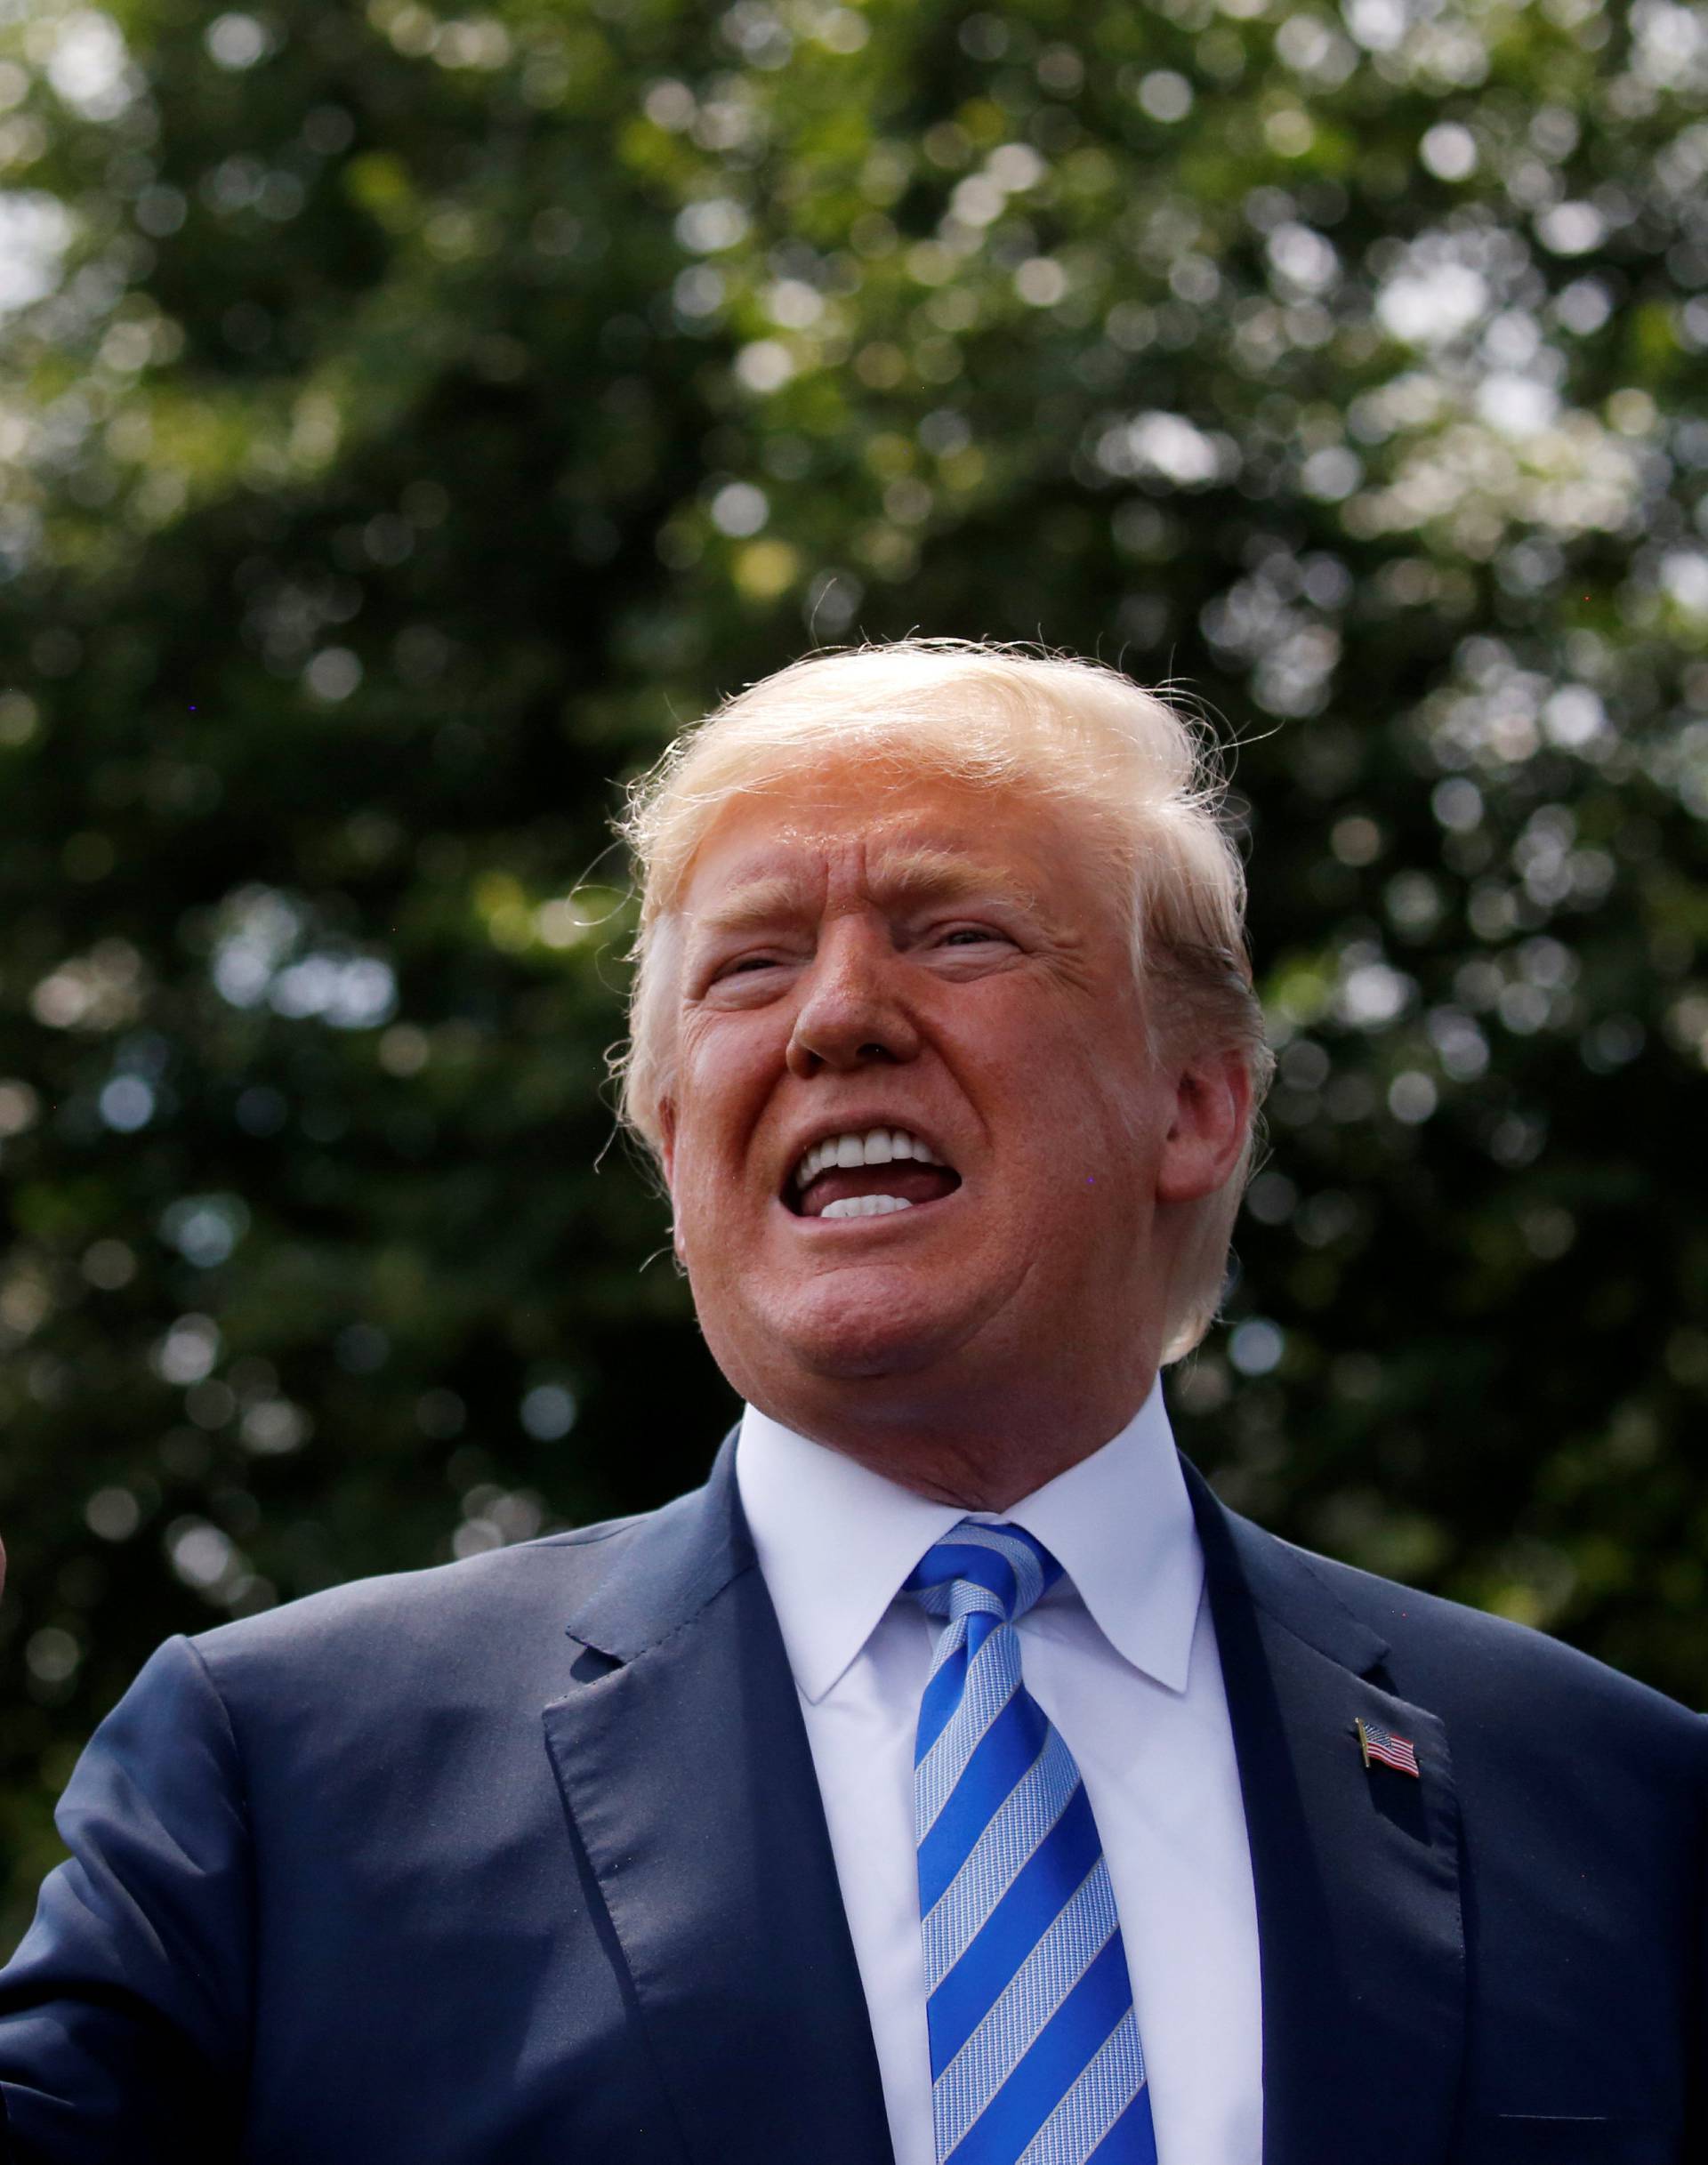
x=839, y=1341
x=868, y=1362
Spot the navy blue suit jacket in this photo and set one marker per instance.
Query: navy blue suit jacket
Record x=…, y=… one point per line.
x=522, y=1861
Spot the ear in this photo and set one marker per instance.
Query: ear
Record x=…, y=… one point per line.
x=1211, y=1115
x=667, y=1154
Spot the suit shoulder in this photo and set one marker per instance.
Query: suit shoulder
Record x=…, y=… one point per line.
x=475, y=1598
x=1445, y=1651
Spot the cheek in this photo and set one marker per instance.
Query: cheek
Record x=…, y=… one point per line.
x=723, y=1079
x=709, y=1067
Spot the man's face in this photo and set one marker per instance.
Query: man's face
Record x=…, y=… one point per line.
x=951, y=964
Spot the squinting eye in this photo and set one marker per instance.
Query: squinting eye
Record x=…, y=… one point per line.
x=970, y=932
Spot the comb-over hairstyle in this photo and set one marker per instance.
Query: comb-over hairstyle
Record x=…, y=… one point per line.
x=1138, y=779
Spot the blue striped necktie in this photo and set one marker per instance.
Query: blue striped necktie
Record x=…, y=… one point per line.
x=1034, y=2046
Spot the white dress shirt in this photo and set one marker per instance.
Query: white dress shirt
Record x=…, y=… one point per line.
x=1121, y=1655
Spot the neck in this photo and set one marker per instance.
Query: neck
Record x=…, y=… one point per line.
x=980, y=1457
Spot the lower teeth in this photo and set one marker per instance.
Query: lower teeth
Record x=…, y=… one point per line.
x=865, y=1206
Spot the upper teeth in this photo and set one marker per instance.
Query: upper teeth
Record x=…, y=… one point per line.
x=876, y=1147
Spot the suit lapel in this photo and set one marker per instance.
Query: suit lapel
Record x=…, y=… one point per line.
x=1356, y=1870
x=685, y=1767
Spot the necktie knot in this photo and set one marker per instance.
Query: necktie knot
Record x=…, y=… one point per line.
x=997, y=1572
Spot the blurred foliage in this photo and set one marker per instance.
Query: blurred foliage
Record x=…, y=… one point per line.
x=407, y=420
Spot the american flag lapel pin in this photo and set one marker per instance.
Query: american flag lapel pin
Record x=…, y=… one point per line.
x=1382, y=1747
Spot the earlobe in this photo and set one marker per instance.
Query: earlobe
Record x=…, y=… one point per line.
x=1212, y=1116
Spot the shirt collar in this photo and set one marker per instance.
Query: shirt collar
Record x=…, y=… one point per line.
x=836, y=1540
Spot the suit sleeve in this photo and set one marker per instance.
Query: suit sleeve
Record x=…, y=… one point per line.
x=1696, y=2128
x=125, y=2014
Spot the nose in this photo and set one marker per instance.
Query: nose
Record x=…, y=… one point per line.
x=850, y=1014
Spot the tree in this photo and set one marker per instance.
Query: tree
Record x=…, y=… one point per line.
x=414, y=418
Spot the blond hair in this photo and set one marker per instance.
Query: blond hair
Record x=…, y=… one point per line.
x=1141, y=780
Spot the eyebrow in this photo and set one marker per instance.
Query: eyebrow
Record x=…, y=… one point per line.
x=912, y=876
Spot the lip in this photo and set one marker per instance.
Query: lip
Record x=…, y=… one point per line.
x=886, y=1221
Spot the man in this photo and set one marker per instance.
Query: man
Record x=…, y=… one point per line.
x=951, y=1776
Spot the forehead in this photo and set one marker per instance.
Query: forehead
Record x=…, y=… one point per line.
x=924, y=839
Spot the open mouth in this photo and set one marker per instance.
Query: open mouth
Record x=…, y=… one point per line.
x=860, y=1191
